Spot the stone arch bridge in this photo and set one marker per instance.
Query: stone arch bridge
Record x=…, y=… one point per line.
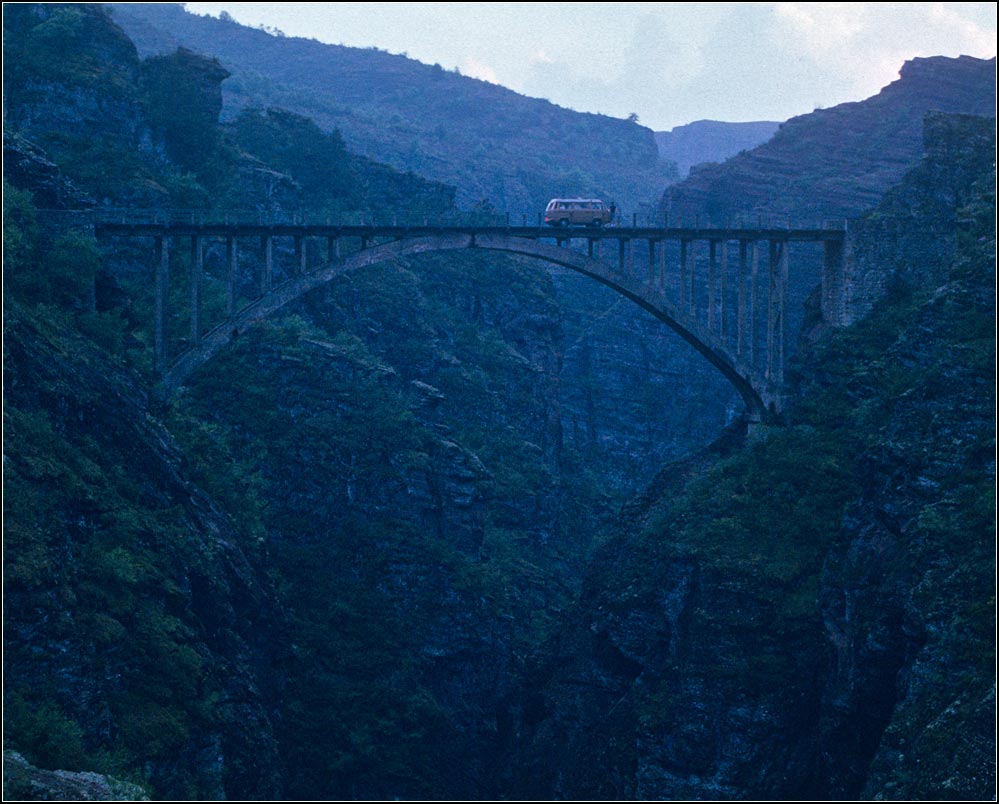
x=730, y=307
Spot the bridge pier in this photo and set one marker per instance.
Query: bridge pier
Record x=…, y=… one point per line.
x=300, y=253
x=197, y=265
x=652, y=263
x=723, y=267
x=231, y=258
x=693, y=279
x=740, y=321
x=834, y=284
x=267, y=278
x=662, y=265
x=712, y=270
x=779, y=263
x=683, y=276
x=160, y=304
x=753, y=278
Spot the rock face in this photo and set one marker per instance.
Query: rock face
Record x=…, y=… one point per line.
x=916, y=226
x=23, y=781
x=27, y=167
x=711, y=141
x=153, y=598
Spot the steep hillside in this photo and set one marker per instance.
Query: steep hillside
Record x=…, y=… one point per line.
x=812, y=615
x=317, y=573
x=488, y=141
x=711, y=141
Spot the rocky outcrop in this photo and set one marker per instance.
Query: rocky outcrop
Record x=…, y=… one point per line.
x=72, y=77
x=27, y=167
x=22, y=781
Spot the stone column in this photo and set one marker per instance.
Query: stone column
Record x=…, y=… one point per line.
x=162, y=292
x=683, y=276
x=662, y=265
x=776, y=313
x=740, y=337
x=267, y=278
x=834, y=306
x=753, y=277
x=652, y=262
x=232, y=259
x=712, y=271
x=723, y=270
x=300, y=254
x=785, y=268
x=197, y=265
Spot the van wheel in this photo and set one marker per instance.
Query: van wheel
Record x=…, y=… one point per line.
x=564, y=223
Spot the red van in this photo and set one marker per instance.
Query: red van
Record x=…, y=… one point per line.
x=578, y=212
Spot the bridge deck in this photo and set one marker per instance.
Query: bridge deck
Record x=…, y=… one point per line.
x=216, y=229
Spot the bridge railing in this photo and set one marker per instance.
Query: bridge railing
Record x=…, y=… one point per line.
x=406, y=219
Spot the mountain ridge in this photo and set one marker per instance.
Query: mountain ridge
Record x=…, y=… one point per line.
x=493, y=143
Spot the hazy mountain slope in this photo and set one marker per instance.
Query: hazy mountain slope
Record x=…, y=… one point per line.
x=837, y=162
x=711, y=141
x=490, y=142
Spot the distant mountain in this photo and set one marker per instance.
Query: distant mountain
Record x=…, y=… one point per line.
x=838, y=162
x=493, y=144
x=711, y=141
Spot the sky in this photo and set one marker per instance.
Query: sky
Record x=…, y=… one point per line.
x=668, y=63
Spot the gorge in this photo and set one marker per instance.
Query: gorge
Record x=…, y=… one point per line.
x=453, y=527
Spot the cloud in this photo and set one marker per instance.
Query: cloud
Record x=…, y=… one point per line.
x=978, y=40
x=824, y=27
x=540, y=56
x=474, y=68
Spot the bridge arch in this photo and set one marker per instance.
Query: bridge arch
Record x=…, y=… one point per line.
x=760, y=397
